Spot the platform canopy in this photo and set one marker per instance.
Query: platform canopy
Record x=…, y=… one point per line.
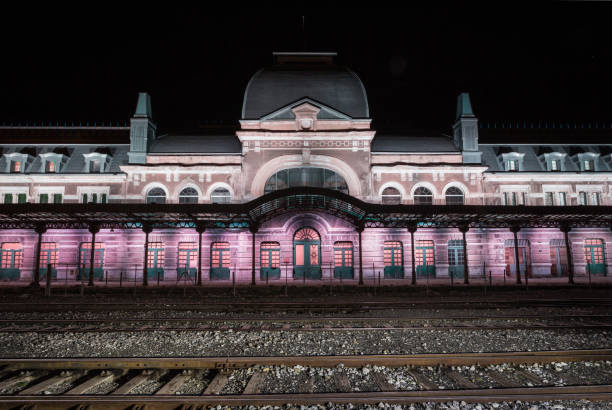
x=294, y=200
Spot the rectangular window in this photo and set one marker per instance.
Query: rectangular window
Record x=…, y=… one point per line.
x=85, y=255
x=94, y=198
x=21, y=198
x=48, y=254
x=549, y=199
x=299, y=254
x=15, y=166
x=44, y=199
x=50, y=166
x=103, y=199
x=220, y=257
x=582, y=198
x=595, y=198
x=562, y=199
x=8, y=198
x=589, y=165
x=11, y=255
x=512, y=165
x=57, y=198
x=94, y=166
x=188, y=255
x=555, y=165
x=155, y=255
x=84, y=198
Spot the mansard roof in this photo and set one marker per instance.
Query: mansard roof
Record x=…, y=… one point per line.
x=197, y=143
x=279, y=85
x=413, y=141
x=103, y=134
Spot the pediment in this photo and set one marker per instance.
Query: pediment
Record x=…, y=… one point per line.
x=305, y=107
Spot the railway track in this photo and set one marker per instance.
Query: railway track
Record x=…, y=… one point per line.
x=325, y=323
x=119, y=383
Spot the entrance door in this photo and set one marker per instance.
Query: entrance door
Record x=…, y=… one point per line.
x=187, y=261
x=424, y=257
x=269, y=260
x=394, y=260
x=523, y=253
x=155, y=261
x=307, y=254
x=48, y=256
x=456, y=267
x=595, y=258
x=343, y=260
x=558, y=257
x=85, y=258
x=220, y=260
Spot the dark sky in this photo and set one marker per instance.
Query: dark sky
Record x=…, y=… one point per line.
x=87, y=64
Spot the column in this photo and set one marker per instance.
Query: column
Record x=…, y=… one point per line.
x=147, y=229
x=94, y=228
x=253, y=230
x=360, y=230
x=515, y=229
x=200, y=228
x=466, y=270
x=412, y=229
x=40, y=229
x=568, y=248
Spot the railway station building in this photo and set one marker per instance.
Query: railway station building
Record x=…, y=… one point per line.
x=305, y=189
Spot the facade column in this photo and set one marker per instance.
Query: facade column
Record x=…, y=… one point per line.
x=40, y=230
x=515, y=229
x=412, y=229
x=568, y=248
x=466, y=269
x=360, y=230
x=147, y=229
x=200, y=229
x=253, y=230
x=94, y=228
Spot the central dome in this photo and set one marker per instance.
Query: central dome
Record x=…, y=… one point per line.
x=295, y=76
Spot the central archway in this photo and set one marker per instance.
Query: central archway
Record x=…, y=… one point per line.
x=306, y=254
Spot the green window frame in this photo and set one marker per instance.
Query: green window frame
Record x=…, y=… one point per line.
x=8, y=198
x=343, y=260
x=21, y=198
x=220, y=260
x=269, y=260
x=44, y=199
x=393, y=258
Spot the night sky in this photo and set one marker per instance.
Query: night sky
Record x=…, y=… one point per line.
x=553, y=62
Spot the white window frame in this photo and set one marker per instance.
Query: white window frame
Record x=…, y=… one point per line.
x=517, y=159
x=54, y=157
x=588, y=156
x=95, y=156
x=90, y=190
x=14, y=157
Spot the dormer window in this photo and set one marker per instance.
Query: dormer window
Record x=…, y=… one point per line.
x=588, y=165
x=555, y=165
x=511, y=160
x=16, y=167
x=95, y=162
x=50, y=166
x=587, y=161
x=512, y=165
x=94, y=166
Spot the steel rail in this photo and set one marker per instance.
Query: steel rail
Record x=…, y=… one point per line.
x=597, y=393
x=425, y=359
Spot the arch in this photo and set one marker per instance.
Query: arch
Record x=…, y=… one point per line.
x=454, y=192
x=152, y=185
x=188, y=183
x=188, y=195
x=306, y=253
x=395, y=185
x=459, y=185
x=317, y=221
x=422, y=196
x=305, y=176
x=216, y=185
x=427, y=185
x=296, y=161
x=307, y=232
x=156, y=190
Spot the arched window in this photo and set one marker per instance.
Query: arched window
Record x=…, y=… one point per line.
x=188, y=196
x=221, y=196
x=454, y=196
x=311, y=177
x=391, y=196
x=423, y=196
x=156, y=196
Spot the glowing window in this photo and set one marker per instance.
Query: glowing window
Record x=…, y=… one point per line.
x=155, y=255
x=188, y=255
x=270, y=254
x=343, y=254
x=48, y=254
x=220, y=255
x=392, y=253
x=15, y=166
x=306, y=234
x=11, y=255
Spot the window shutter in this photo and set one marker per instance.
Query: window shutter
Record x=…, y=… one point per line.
x=21, y=198
x=57, y=198
x=44, y=198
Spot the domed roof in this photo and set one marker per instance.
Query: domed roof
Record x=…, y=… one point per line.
x=292, y=79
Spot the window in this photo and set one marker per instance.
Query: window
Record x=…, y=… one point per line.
x=44, y=199
x=454, y=196
x=16, y=166
x=515, y=198
x=582, y=198
x=94, y=198
x=48, y=254
x=8, y=198
x=85, y=260
x=594, y=250
x=343, y=254
x=221, y=196
x=588, y=165
x=219, y=260
x=595, y=198
x=512, y=165
x=555, y=165
x=11, y=255
x=50, y=166
x=57, y=198
x=423, y=196
x=95, y=166
x=156, y=196
x=549, y=199
x=391, y=196
x=562, y=199
x=188, y=255
x=455, y=252
x=270, y=255
x=393, y=258
x=188, y=196
x=306, y=176
x=155, y=255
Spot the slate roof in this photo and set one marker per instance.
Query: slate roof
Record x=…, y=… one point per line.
x=196, y=143
x=64, y=135
x=414, y=142
x=275, y=87
x=75, y=161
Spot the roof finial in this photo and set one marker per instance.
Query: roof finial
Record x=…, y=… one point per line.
x=464, y=106
x=143, y=107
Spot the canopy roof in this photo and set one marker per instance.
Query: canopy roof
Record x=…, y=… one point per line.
x=252, y=214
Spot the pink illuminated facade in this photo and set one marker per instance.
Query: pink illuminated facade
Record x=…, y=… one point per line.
x=306, y=122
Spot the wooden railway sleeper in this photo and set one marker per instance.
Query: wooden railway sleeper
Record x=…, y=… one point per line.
x=63, y=377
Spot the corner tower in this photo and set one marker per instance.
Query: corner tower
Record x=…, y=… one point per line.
x=465, y=130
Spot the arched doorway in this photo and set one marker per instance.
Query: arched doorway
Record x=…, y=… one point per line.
x=306, y=254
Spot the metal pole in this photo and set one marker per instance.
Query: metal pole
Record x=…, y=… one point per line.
x=147, y=229
x=48, y=284
x=286, y=278
x=466, y=268
x=234, y=282
x=589, y=270
x=568, y=248
x=40, y=229
x=93, y=229
x=412, y=230
x=121, y=279
x=359, y=230
x=200, y=229
x=253, y=230
x=515, y=230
